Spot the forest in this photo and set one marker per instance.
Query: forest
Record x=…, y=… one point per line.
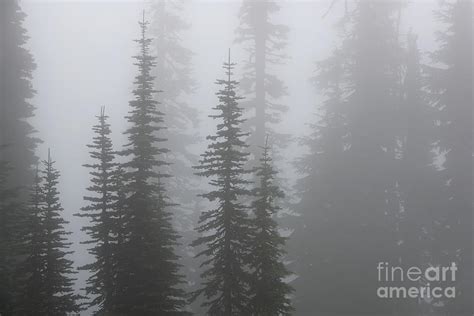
x=236, y=157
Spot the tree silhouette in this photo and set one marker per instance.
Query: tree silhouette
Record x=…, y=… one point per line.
x=225, y=228
x=148, y=268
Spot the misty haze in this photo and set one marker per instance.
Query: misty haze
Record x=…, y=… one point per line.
x=236, y=157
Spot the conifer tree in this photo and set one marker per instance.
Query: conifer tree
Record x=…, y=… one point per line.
x=59, y=297
x=225, y=228
x=173, y=75
x=268, y=289
x=9, y=208
x=102, y=213
x=18, y=144
x=16, y=67
x=265, y=42
x=148, y=270
x=350, y=174
x=450, y=82
x=32, y=296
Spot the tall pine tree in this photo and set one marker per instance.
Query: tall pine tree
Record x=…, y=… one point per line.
x=102, y=213
x=265, y=42
x=148, y=268
x=451, y=86
x=173, y=75
x=16, y=68
x=225, y=228
x=268, y=288
x=17, y=141
x=351, y=170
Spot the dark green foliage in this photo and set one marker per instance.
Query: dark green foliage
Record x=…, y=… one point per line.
x=148, y=272
x=265, y=42
x=268, y=289
x=104, y=218
x=450, y=82
x=225, y=228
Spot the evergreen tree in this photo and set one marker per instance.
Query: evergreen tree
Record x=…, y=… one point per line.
x=18, y=145
x=265, y=42
x=268, y=289
x=102, y=213
x=16, y=67
x=9, y=220
x=173, y=75
x=59, y=297
x=225, y=228
x=149, y=271
x=451, y=89
x=32, y=295
x=320, y=169
x=351, y=170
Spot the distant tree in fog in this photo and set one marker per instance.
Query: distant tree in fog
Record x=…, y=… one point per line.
x=18, y=144
x=265, y=42
x=347, y=221
x=10, y=220
x=173, y=76
x=225, y=229
x=16, y=91
x=148, y=271
x=417, y=177
x=103, y=216
x=451, y=84
x=268, y=289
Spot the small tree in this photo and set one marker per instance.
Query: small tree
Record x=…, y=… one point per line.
x=225, y=228
x=102, y=214
x=32, y=295
x=58, y=285
x=267, y=287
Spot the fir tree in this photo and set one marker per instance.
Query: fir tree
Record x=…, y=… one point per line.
x=225, y=229
x=265, y=42
x=148, y=270
x=326, y=145
x=351, y=171
x=59, y=297
x=32, y=295
x=102, y=214
x=268, y=289
x=18, y=145
x=16, y=67
x=450, y=82
x=9, y=220
x=173, y=75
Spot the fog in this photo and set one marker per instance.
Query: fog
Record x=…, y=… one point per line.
x=83, y=53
